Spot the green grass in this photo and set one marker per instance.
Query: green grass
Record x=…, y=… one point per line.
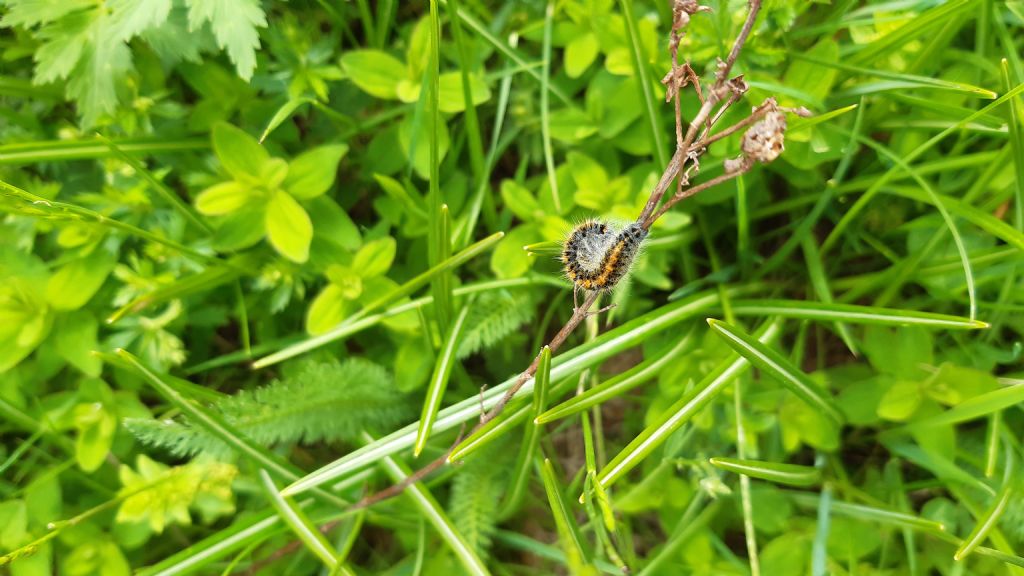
x=240, y=258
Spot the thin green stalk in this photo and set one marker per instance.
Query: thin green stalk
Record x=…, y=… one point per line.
x=439, y=380
x=545, y=112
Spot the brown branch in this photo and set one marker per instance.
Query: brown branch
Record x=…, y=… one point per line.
x=687, y=150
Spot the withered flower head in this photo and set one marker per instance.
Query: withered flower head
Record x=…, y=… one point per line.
x=765, y=140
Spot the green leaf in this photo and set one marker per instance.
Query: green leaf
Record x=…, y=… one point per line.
x=75, y=339
x=239, y=153
x=776, y=365
x=439, y=380
x=375, y=72
x=234, y=24
x=96, y=427
x=223, y=198
x=580, y=54
x=241, y=229
x=76, y=282
x=681, y=412
x=312, y=173
x=328, y=309
x=307, y=532
x=289, y=228
x=452, y=97
x=375, y=257
x=790, y=474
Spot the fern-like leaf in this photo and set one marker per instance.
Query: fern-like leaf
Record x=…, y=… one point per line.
x=321, y=402
x=476, y=494
x=494, y=316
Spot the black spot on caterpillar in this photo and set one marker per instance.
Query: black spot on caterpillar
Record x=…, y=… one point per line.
x=596, y=256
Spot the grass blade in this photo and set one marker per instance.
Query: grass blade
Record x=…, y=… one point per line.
x=788, y=474
x=853, y=314
x=434, y=514
x=565, y=523
x=975, y=407
x=771, y=362
x=439, y=380
x=400, y=292
x=307, y=533
x=905, y=80
x=880, y=183
x=681, y=412
x=619, y=384
x=62, y=150
x=531, y=438
x=871, y=514
x=986, y=523
x=166, y=193
x=28, y=204
x=564, y=365
x=644, y=82
x=545, y=108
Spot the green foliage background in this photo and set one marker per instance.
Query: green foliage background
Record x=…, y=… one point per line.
x=244, y=243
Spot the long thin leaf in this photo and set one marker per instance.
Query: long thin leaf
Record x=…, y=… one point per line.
x=63, y=150
x=681, y=411
x=853, y=314
x=565, y=523
x=619, y=384
x=975, y=407
x=789, y=474
x=564, y=365
x=435, y=514
x=439, y=380
x=307, y=533
x=531, y=438
x=880, y=183
x=776, y=365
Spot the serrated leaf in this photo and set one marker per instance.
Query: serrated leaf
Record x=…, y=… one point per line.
x=234, y=24
x=289, y=228
x=32, y=12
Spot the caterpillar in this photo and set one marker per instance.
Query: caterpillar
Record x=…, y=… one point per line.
x=596, y=256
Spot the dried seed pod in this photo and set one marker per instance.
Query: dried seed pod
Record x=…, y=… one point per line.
x=765, y=140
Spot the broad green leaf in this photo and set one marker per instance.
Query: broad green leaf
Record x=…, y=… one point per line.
x=375, y=257
x=223, y=198
x=580, y=54
x=241, y=229
x=76, y=282
x=452, y=98
x=96, y=427
x=376, y=72
x=312, y=173
x=520, y=201
x=328, y=309
x=239, y=153
x=75, y=339
x=289, y=228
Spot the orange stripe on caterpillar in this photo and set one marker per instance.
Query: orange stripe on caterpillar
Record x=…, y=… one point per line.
x=596, y=257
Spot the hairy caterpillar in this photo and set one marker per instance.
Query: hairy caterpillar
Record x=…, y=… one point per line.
x=596, y=256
